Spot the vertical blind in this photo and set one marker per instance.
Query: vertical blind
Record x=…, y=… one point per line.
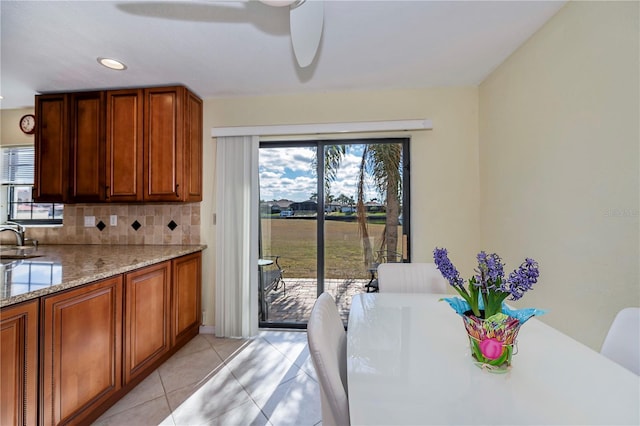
x=18, y=165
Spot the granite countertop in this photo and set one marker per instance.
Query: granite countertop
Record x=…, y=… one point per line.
x=60, y=267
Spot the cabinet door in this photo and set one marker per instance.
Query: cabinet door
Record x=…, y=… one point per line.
x=81, y=350
x=193, y=148
x=124, y=145
x=146, y=329
x=163, y=144
x=19, y=364
x=51, y=180
x=87, y=147
x=186, y=309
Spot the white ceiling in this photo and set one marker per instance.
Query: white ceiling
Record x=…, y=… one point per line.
x=236, y=48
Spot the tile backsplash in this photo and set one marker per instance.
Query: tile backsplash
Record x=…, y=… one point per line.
x=136, y=224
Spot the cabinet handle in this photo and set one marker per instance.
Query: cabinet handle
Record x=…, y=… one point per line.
x=106, y=192
x=177, y=194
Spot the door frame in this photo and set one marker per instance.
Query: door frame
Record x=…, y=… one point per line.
x=319, y=145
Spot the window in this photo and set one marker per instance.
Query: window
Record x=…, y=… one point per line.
x=17, y=183
x=322, y=243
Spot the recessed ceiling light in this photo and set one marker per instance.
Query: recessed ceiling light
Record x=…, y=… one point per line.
x=112, y=64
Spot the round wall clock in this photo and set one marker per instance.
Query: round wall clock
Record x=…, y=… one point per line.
x=28, y=124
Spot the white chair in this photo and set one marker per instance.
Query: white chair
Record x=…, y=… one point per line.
x=328, y=349
x=622, y=343
x=410, y=278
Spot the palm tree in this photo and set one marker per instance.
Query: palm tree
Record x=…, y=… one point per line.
x=333, y=156
x=361, y=214
x=383, y=163
x=342, y=199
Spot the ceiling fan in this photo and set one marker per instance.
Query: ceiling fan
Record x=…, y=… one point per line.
x=306, y=19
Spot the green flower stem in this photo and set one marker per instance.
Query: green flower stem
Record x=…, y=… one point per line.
x=493, y=301
x=475, y=293
x=463, y=293
x=471, y=299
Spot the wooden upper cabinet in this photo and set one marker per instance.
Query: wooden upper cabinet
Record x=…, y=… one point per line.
x=172, y=145
x=163, y=144
x=19, y=364
x=132, y=145
x=87, y=147
x=124, y=145
x=193, y=148
x=51, y=180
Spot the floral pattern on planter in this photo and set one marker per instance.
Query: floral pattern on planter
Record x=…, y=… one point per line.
x=492, y=339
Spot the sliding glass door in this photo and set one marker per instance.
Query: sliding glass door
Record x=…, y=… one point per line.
x=288, y=233
x=329, y=211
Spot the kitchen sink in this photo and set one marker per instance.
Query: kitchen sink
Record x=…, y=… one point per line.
x=4, y=262
x=18, y=252
x=18, y=256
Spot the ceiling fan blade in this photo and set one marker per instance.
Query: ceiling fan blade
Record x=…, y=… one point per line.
x=306, y=22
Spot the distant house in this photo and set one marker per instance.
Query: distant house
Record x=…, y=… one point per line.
x=332, y=207
x=304, y=206
x=374, y=207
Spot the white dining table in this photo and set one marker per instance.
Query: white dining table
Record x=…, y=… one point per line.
x=409, y=363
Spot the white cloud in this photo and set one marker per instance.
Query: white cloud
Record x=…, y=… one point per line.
x=289, y=173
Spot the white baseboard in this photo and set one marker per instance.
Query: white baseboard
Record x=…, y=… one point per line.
x=207, y=329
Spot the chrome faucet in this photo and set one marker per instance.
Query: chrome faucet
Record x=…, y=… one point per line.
x=17, y=229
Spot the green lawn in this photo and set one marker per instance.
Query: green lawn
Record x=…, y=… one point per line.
x=295, y=240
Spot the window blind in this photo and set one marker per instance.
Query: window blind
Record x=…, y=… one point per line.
x=18, y=165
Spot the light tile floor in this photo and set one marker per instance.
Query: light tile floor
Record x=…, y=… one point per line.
x=267, y=380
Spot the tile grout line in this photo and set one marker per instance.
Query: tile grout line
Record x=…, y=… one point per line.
x=248, y=393
x=166, y=397
x=250, y=398
x=224, y=363
x=294, y=364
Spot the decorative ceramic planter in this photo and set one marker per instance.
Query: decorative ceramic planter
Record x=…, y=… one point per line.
x=492, y=340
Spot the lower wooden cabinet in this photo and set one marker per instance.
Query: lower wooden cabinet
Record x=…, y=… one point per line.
x=19, y=364
x=81, y=350
x=67, y=357
x=186, y=307
x=146, y=318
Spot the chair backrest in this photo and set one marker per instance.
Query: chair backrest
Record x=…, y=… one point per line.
x=622, y=343
x=328, y=350
x=410, y=278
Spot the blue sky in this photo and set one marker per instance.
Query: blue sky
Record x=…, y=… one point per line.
x=288, y=173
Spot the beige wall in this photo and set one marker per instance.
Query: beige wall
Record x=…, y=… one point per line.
x=445, y=187
x=559, y=147
x=10, y=133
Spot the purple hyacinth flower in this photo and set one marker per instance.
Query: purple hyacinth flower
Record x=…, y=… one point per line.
x=495, y=268
x=446, y=268
x=490, y=270
x=522, y=279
